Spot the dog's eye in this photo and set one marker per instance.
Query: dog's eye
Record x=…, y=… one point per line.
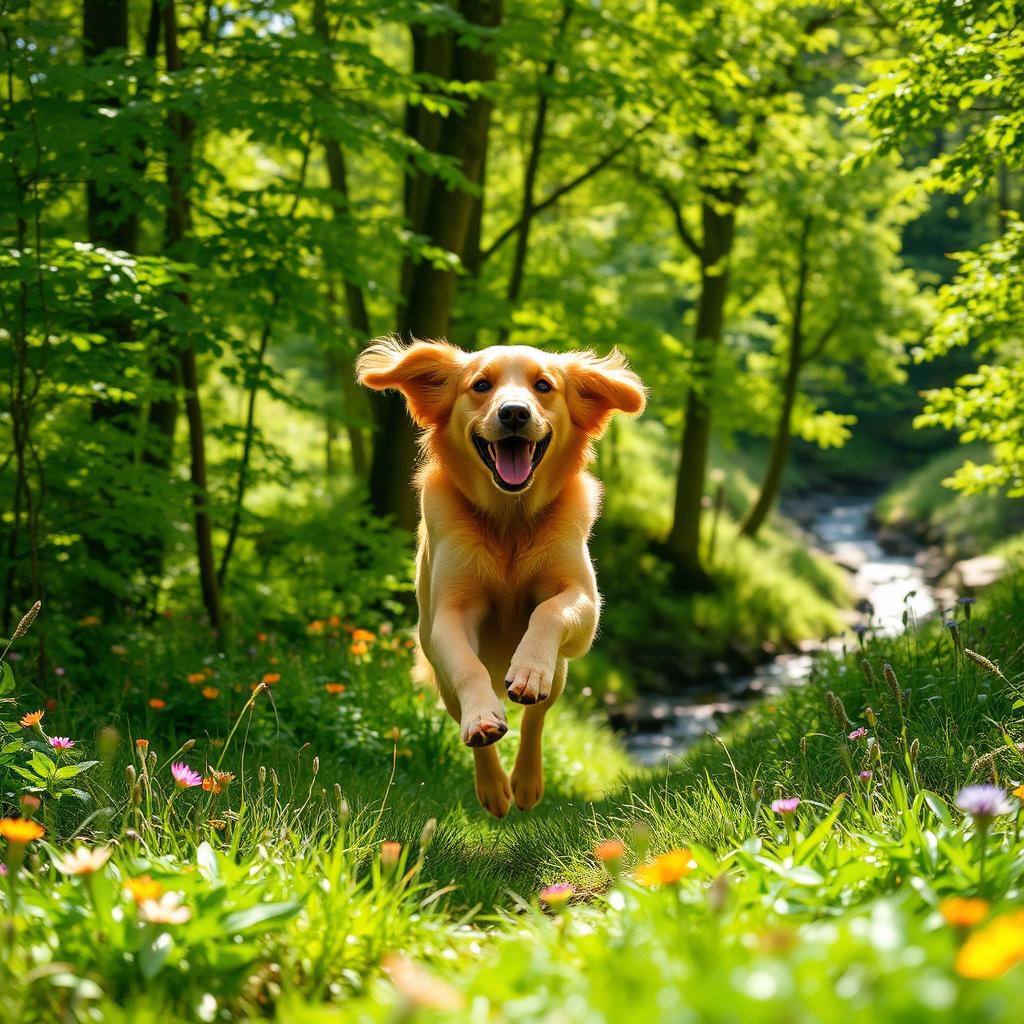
x=542, y=386
x=482, y=386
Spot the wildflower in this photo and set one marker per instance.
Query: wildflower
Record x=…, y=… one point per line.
x=316, y=626
x=609, y=851
x=363, y=636
x=83, y=861
x=667, y=868
x=422, y=989
x=334, y=621
x=90, y=620
x=864, y=776
x=893, y=683
x=261, y=638
x=142, y=746
x=963, y=912
x=983, y=803
x=60, y=670
x=211, y=692
x=218, y=823
x=389, y=854
x=166, y=910
x=211, y=785
x=143, y=888
x=838, y=709
x=993, y=950
x=224, y=778
x=558, y=894
x=359, y=649
x=32, y=719
x=29, y=805
x=966, y=603
x=184, y=776
x=26, y=622
x=869, y=714
x=857, y=734
x=786, y=805
x=980, y=659
x=61, y=743
x=119, y=649
x=19, y=831
x=196, y=677
x=271, y=677
x=334, y=687
x=157, y=704
x=1019, y=793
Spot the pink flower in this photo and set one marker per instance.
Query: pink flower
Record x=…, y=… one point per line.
x=558, y=894
x=184, y=776
x=857, y=734
x=61, y=743
x=864, y=776
x=787, y=805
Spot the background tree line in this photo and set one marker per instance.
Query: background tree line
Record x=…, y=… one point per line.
x=208, y=209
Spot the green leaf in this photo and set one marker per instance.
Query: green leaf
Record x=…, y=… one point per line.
x=153, y=955
x=6, y=679
x=261, y=915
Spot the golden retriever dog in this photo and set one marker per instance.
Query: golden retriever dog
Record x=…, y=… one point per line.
x=505, y=585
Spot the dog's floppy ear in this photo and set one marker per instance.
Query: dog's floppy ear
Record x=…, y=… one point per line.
x=599, y=387
x=425, y=372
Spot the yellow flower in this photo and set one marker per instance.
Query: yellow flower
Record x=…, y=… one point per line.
x=994, y=949
x=82, y=861
x=963, y=912
x=143, y=888
x=1019, y=792
x=196, y=677
x=33, y=718
x=667, y=868
x=19, y=831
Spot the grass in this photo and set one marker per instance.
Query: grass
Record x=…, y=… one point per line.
x=295, y=906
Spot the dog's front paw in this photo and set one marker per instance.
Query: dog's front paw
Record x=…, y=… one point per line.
x=529, y=682
x=483, y=726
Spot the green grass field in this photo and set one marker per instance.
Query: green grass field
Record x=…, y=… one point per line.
x=345, y=872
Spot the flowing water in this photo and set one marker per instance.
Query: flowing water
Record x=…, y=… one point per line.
x=891, y=591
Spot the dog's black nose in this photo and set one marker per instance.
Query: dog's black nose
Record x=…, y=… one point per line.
x=514, y=415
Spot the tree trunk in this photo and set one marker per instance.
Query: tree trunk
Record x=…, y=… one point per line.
x=518, y=271
x=443, y=214
x=684, y=538
x=179, y=220
x=781, y=442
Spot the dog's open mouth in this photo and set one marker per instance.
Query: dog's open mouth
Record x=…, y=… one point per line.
x=511, y=459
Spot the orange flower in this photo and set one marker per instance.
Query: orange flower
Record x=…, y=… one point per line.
x=157, y=703
x=261, y=638
x=421, y=988
x=609, y=850
x=90, y=620
x=994, y=949
x=334, y=687
x=667, y=868
x=363, y=636
x=1019, y=792
x=316, y=626
x=334, y=621
x=143, y=888
x=389, y=854
x=32, y=719
x=211, y=785
x=196, y=677
x=217, y=823
x=142, y=745
x=272, y=677
x=211, y=692
x=964, y=912
x=359, y=649
x=19, y=831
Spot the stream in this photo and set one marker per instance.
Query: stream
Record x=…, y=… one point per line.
x=889, y=589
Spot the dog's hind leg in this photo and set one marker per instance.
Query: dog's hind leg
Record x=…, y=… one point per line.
x=492, y=785
x=528, y=773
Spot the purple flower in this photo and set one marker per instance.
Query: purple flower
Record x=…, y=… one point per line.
x=967, y=600
x=983, y=802
x=857, y=734
x=860, y=629
x=184, y=776
x=864, y=776
x=787, y=805
x=61, y=743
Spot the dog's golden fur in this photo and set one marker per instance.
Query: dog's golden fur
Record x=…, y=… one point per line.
x=505, y=585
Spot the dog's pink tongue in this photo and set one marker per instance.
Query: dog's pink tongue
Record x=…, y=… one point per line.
x=513, y=460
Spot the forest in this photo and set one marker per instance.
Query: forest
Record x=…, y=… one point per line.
x=787, y=782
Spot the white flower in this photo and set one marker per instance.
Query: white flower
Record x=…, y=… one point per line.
x=166, y=910
x=82, y=861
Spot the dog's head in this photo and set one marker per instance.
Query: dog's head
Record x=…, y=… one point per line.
x=510, y=413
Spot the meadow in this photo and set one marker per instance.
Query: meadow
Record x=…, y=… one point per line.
x=278, y=831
